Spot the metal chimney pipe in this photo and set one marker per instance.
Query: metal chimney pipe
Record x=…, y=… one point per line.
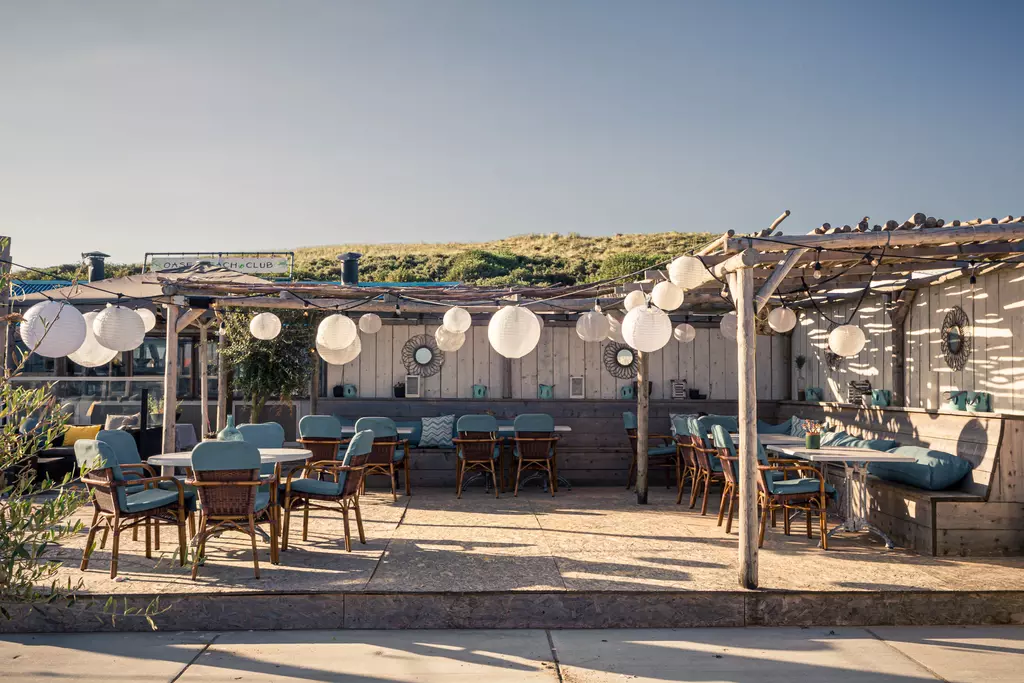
x=96, y=259
x=349, y=268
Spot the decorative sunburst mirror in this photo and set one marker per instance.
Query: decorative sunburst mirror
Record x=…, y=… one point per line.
x=620, y=361
x=957, y=340
x=421, y=356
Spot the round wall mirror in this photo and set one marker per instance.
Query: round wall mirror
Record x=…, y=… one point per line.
x=624, y=357
x=620, y=361
x=956, y=338
x=423, y=355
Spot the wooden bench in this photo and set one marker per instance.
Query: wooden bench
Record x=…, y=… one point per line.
x=983, y=515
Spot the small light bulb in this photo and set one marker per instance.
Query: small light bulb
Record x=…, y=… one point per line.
x=974, y=280
x=817, y=270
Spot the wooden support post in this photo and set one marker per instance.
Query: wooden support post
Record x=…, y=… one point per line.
x=314, y=386
x=170, y=378
x=899, y=311
x=642, y=427
x=506, y=377
x=5, y=298
x=742, y=284
x=223, y=381
x=204, y=386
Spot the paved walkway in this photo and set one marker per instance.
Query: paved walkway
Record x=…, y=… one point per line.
x=988, y=654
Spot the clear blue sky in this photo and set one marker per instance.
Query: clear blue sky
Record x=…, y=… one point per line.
x=134, y=126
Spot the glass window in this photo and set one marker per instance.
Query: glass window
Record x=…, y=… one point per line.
x=35, y=364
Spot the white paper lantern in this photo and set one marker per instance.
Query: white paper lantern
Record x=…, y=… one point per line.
x=458, y=319
x=265, y=326
x=448, y=340
x=684, y=333
x=666, y=296
x=728, y=325
x=340, y=356
x=513, y=331
x=782, y=319
x=592, y=326
x=687, y=272
x=53, y=329
x=846, y=340
x=615, y=329
x=336, y=332
x=634, y=299
x=119, y=329
x=540, y=320
x=370, y=323
x=647, y=328
x=91, y=354
x=148, y=318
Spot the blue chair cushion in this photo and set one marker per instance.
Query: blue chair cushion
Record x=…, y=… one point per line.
x=319, y=488
x=150, y=499
x=844, y=440
x=534, y=422
x=417, y=431
x=263, y=435
x=931, y=470
x=320, y=427
x=662, y=450
x=730, y=422
x=262, y=501
x=123, y=444
x=794, y=486
x=766, y=428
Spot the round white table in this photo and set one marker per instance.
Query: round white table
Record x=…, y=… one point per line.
x=168, y=461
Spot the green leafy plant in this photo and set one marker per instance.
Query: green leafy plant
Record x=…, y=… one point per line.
x=278, y=368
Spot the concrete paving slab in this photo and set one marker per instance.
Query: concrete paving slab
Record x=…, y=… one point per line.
x=993, y=654
x=733, y=655
x=105, y=658
x=349, y=656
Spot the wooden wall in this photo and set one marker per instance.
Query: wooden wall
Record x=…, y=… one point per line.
x=708, y=364
x=996, y=307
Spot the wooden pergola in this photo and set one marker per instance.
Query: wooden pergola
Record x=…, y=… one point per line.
x=830, y=263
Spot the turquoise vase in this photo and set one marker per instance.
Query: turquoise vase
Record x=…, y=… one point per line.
x=230, y=432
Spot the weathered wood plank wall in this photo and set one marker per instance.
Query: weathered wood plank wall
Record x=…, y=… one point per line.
x=708, y=364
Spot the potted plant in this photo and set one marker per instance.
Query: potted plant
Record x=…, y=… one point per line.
x=812, y=440
x=399, y=389
x=338, y=391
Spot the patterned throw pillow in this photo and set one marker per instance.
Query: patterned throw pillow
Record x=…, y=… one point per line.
x=437, y=432
x=798, y=427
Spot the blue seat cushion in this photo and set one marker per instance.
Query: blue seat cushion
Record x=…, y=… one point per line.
x=766, y=428
x=662, y=450
x=316, y=487
x=795, y=486
x=150, y=499
x=262, y=501
x=931, y=470
x=842, y=439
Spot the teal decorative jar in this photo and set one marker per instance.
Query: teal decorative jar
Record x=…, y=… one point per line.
x=812, y=441
x=230, y=432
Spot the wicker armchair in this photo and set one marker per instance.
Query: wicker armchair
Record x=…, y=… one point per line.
x=661, y=453
x=687, y=458
x=321, y=434
x=535, y=447
x=330, y=481
x=476, y=448
x=226, y=475
x=709, y=468
x=389, y=452
x=116, y=509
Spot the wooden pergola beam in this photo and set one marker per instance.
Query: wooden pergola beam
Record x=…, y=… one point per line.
x=868, y=240
x=187, y=318
x=778, y=275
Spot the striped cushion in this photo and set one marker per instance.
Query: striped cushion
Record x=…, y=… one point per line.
x=437, y=432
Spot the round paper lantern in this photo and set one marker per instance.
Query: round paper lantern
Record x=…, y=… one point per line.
x=687, y=272
x=148, y=318
x=634, y=299
x=782, y=319
x=119, y=329
x=340, y=356
x=615, y=329
x=647, y=328
x=91, y=354
x=728, y=325
x=666, y=296
x=336, y=332
x=265, y=326
x=540, y=320
x=592, y=326
x=846, y=340
x=684, y=333
x=370, y=323
x=53, y=329
x=513, y=331
x=448, y=340
x=458, y=319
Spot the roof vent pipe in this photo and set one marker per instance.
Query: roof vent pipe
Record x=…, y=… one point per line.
x=96, y=259
x=349, y=268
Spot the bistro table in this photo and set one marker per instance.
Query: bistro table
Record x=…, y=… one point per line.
x=855, y=465
x=168, y=461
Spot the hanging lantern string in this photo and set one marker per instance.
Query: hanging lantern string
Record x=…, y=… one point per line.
x=76, y=283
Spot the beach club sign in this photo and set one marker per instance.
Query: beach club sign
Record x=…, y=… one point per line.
x=239, y=262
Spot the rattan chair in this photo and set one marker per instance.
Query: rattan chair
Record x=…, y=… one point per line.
x=476, y=448
x=389, y=452
x=333, y=481
x=535, y=447
x=687, y=458
x=126, y=452
x=321, y=434
x=115, y=509
x=709, y=469
x=661, y=452
x=226, y=475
